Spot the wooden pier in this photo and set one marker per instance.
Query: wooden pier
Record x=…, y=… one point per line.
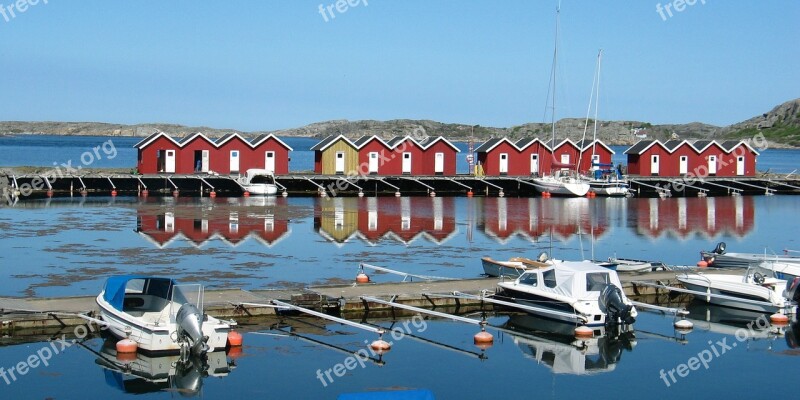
x=26, y=320
x=95, y=184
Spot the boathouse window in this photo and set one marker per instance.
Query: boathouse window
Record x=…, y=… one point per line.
x=549, y=277
x=529, y=279
x=596, y=281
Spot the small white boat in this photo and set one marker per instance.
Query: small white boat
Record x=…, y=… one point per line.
x=562, y=183
x=610, y=187
x=259, y=182
x=782, y=270
x=584, y=289
x=160, y=315
x=720, y=258
x=752, y=291
x=636, y=266
x=514, y=267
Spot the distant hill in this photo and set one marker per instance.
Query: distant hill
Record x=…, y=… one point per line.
x=781, y=126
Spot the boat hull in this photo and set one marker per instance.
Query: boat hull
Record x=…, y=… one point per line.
x=745, y=293
x=561, y=188
x=609, y=189
x=158, y=339
x=261, y=189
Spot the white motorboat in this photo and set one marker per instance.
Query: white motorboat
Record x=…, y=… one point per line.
x=259, y=182
x=782, y=270
x=610, y=186
x=720, y=258
x=752, y=291
x=636, y=266
x=583, y=289
x=160, y=316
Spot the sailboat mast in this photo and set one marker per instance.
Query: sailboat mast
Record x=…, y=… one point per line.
x=596, y=102
x=555, y=67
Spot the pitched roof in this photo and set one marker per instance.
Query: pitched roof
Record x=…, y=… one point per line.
x=255, y=142
x=325, y=143
x=146, y=141
x=641, y=146
x=189, y=138
x=586, y=144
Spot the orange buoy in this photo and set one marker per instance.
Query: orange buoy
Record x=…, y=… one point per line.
x=470, y=194
x=246, y=194
x=362, y=277
x=212, y=194
x=145, y=193
x=584, y=332
x=235, y=352
x=234, y=339
x=702, y=264
x=113, y=192
x=126, y=346
x=483, y=338
x=779, y=319
x=175, y=193
x=380, y=346
x=49, y=193
x=126, y=358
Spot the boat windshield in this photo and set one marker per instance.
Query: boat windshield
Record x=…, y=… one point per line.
x=550, y=278
x=182, y=294
x=596, y=281
x=529, y=278
x=262, y=179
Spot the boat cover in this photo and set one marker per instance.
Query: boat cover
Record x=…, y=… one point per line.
x=114, y=291
x=572, y=276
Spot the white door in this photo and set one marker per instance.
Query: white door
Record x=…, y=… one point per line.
x=339, y=162
x=684, y=165
x=373, y=163
x=269, y=161
x=406, y=163
x=654, y=165
x=503, y=164
x=234, y=161
x=565, y=160
x=740, y=165
x=534, y=164
x=438, y=164
x=169, y=166
x=712, y=165
x=204, y=157
x=595, y=162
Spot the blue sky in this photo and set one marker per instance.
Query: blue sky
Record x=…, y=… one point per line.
x=264, y=65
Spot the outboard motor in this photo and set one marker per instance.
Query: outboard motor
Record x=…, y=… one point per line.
x=190, y=327
x=793, y=290
x=615, y=309
x=189, y=374
x=720, y=249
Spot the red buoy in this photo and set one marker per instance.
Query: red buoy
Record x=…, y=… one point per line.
x=362, y=277
x=235, y=339
x=126, y=346
x=49, y=193
x=235, y=352
x=702, y=264
x=175, y=193
x=126, y=358
x=145, y=193
x=246, y=194
x=583, y=332
x=380, y=346
x=470, y=194
x=213, y=194
x=483, y=339
x=113, y=192
x=779, y=319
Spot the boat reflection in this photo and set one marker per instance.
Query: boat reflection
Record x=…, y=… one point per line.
x=743, y=325
x=683, y=217
x=375, y=219
x=553, y=344
x=140, y=373
x=199, y=221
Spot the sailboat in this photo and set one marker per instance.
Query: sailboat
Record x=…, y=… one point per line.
x=606, y=181
x=562, y=180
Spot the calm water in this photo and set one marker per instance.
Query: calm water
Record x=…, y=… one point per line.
x=58, y=247
x=40, y=150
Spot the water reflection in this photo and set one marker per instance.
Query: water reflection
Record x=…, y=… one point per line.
x=553, y=344
x=232, y=221
x=140, y=373
x=733, y=321
x=686, y=216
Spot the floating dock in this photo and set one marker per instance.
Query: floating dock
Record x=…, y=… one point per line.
x=28, y=320
x=34, y=185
